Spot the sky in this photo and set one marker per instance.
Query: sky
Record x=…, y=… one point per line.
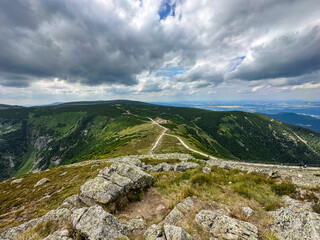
x=159, y=50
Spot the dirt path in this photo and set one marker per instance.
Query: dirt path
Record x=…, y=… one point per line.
x=181, y=141
x=158, y=140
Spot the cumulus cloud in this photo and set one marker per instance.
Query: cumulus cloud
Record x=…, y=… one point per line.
x=290, y=55
x=158, y=46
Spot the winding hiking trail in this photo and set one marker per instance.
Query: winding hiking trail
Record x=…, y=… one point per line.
x=181, y=141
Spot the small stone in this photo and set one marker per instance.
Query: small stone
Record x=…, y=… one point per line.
x=16, y=181
x=160, y=208
x=154, y=232
x=136, y=224
x=186, y=205
x=41, y=182
x=176, y=233
x=206, y=170
x=94, y=166
x=247, y=211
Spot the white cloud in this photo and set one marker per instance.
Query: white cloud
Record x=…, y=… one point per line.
x=116, y=48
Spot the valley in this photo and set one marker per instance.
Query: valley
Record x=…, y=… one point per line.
x=186, y=162
x=38, y=138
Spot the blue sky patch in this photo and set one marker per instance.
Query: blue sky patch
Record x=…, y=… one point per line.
x=167, y=9
x=239, y=59
x=171, y=71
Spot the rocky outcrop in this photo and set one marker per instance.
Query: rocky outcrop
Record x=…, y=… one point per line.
x=165, y=167
x=176, y=233
x=113, y=182
x=220, y=225
x=184, y=166
x=57, y=215
x=73, y=202
x=42, y=141
x=95, y=223
x=62, y=234
x=168, y=232
x=155, y=232
x=178, y=212
x=296, y=221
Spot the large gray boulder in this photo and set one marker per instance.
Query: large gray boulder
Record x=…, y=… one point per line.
x=220, y=225
x=296, y=221
x=176, y=233
x=73, y=202
x=184, y=166
x=113, y=182
x=162, y=167
x=95, y=223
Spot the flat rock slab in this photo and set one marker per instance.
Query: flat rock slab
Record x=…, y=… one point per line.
x=220, y=225
x=95, y=223
x=113, y=182
x=296, y=221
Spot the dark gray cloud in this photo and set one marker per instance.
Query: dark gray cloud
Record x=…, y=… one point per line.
x=287, y=56
x=116, y=42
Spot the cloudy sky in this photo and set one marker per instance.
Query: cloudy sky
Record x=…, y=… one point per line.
x=159, y=50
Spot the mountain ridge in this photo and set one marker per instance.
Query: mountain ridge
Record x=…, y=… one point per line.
x=37, y=138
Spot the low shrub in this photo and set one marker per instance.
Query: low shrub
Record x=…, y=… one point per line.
x=316, y=208
x=202, y=179
x=154, y=161
x=284, y=188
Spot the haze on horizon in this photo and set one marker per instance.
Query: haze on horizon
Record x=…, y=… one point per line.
x=159, y=50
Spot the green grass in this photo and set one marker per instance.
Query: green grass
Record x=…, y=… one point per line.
x=83, y=132
x=316, y=208
x=222, y=189
x=169, y=144
x=61, y=124
x=154, y=161
x=284, y=188
x=27, y=161
x=21, y=202
x=199, y=156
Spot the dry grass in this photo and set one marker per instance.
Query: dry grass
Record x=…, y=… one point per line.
x=222, y=189
x=21, y=202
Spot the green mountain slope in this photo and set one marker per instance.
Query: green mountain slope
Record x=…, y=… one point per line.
x=41, y=137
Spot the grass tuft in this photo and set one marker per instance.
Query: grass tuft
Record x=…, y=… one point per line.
x=284, y=188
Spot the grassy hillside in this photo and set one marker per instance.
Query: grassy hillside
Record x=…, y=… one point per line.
x=43, y=137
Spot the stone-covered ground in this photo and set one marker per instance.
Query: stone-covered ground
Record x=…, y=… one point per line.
x=173, y=196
